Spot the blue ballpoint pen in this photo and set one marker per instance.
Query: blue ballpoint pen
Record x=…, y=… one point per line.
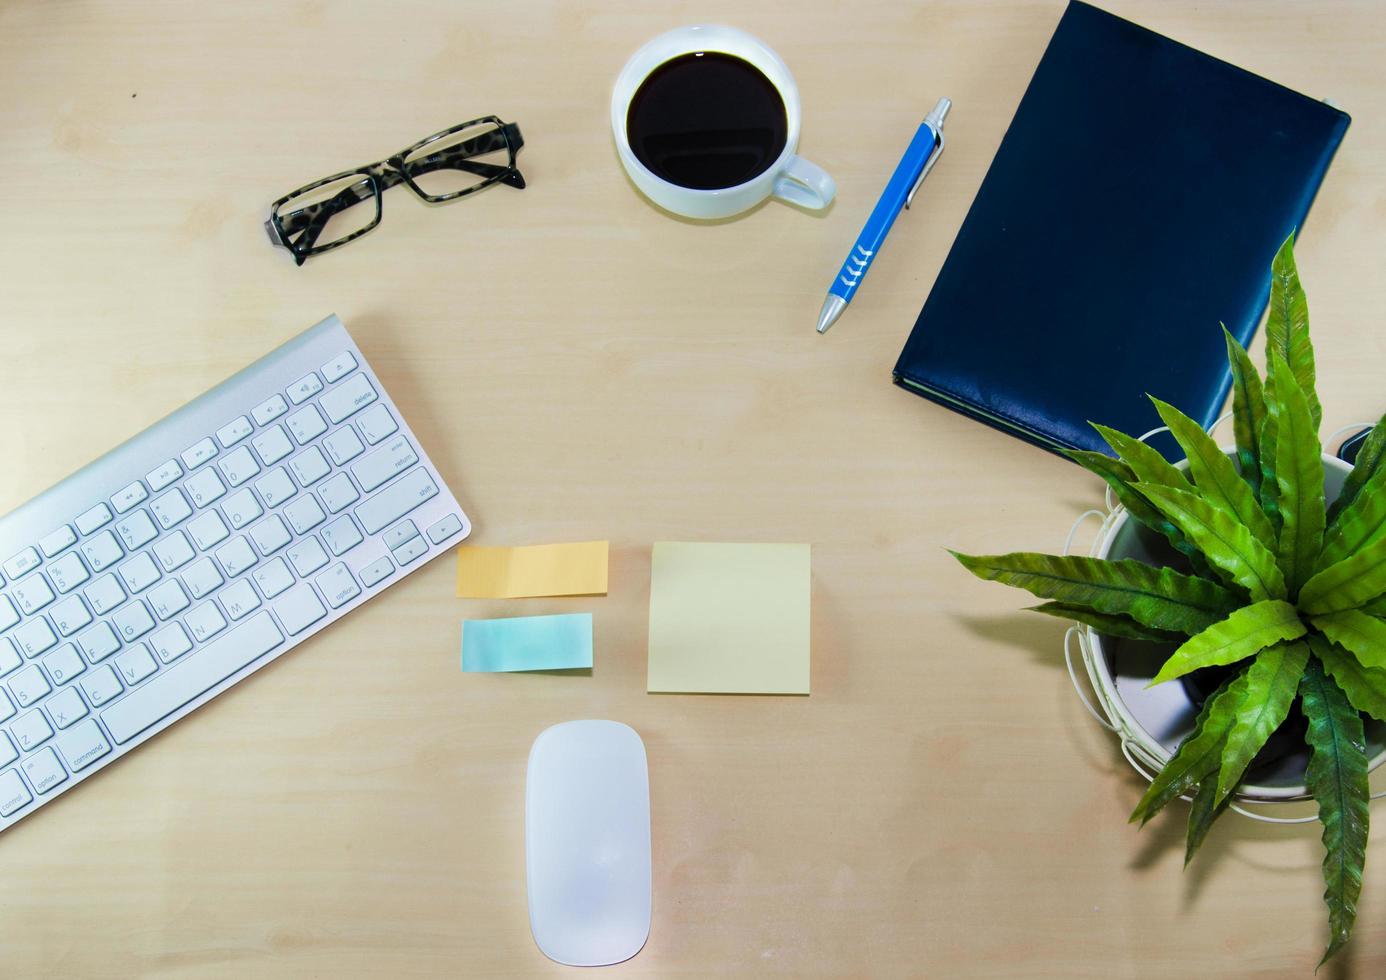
x=920, y=157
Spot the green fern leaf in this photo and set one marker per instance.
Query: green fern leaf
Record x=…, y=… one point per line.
x=1245, y=632
x=1287, y=325
x=1337, y=778
x=1365, y=687
x=1203, y=810
x=1271, y=683
x=1270, y=489
x=1298, y=476
x=1145, y=461
x=1198, y=755
x=1347, y=584
x=1362, y=635
x=1226, y=543
x=1107, y=623
x=1361, y=523
x=1215, y=475
x=1248, y=411
x=1156, y=597
x=1369, y=462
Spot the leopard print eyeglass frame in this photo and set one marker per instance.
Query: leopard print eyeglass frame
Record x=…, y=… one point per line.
x=460, y=160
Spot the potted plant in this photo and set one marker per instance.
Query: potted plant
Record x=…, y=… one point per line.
x=1277, y=601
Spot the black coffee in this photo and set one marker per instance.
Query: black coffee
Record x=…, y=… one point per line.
x=707, y=120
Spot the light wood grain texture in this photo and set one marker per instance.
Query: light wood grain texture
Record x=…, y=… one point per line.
x=581, y=366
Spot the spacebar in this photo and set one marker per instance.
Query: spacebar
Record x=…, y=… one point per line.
x=177, y=686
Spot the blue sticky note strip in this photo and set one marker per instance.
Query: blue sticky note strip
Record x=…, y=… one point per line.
x=527, y=643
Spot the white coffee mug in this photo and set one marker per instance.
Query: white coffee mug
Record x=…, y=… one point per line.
x=790, y=178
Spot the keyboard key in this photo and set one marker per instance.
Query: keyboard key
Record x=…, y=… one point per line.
x=44, y=770
x=34, y=637
x=299, y=608
x=396, y=500
x=66, y=708
x=309, y=466
x=168, y=599
x=58, y=540
x=410, y=551
x=376, y=423
x=273, y=577
x=347, y=399
x=236, y=556
x=304, y=388
x=133, y=620
x=163, y=475
x=82, y=746
x=275, y=487
x=201, y=578
x=6, y=708
x=377, y=571
x=400, y=533
x=8, y=753
x=67, y=572
x=137, y=530
x=208, y=530
x=129, y=497
x=306, y=424
x=339, y=367
x=341, y=536
x=338, y=493
x=101, y=551
x=14, y=795
x=444, y=529
x=241, y=508
x=9, y=615
x=272, y=445
x=26, y=560
x=238, y=466
x=29, y=685
x=135, y=664
x=139, y=573
x=195, y=455
x=32, y=593
x=239, y=599
x=205, y=487
x=171, y=508
x=337, y=585
x=31, y=730
x=171, y=642
x=343, y=446
x=89, y=521
x=270, y=535
x=180, y=684
x=101, y=685
x=307, y=556
x=9, y=657
x=64, y=663
x=70, y=615
x=305, y=514
x=174, y=551
x=104, y=594
x=99, y=642
x=269, y=410
x=234, y=431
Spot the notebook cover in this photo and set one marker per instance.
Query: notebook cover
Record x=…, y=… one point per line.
x=1135, y=203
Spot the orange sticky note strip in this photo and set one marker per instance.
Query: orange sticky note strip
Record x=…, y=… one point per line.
x=532, y=570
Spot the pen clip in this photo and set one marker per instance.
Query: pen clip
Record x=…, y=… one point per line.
x=934, y=120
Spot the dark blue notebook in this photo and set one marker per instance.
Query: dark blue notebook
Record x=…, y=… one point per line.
x=1134, y=204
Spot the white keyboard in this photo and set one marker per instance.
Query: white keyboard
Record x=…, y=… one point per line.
x=153, y=579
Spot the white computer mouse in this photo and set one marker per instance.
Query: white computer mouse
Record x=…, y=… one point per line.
x=587, y=842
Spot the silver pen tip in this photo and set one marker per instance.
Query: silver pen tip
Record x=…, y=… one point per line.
x=832, y=309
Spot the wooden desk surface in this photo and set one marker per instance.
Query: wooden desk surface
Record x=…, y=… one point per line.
x=581, y=366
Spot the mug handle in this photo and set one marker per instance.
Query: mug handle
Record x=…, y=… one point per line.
x=805, y=184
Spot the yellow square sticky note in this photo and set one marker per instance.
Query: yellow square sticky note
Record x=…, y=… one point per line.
x=534, y=570
x=729, y=618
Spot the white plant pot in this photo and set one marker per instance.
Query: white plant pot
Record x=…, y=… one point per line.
x=1152, y=721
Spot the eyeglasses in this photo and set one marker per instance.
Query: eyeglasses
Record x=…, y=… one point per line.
x=458, y=161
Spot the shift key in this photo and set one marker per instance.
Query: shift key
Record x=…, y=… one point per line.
x=396, y=500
